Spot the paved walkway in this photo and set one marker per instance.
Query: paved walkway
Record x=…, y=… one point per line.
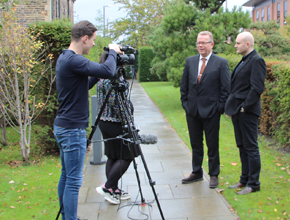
x=168, y=162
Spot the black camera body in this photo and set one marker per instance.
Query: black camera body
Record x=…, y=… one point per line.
x=126, y=59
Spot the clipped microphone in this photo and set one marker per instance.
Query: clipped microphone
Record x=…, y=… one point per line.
x=148, y=139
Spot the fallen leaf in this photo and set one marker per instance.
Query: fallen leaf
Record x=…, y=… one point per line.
x=249, y=211
x=260, y=211
x=12, y=181
x=12, y=207
x=275, y=210
x=234, y=164
x=221, y=191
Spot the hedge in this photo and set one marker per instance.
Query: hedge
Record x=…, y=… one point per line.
x=145, y=57
x=56, y=35
x=279, y=90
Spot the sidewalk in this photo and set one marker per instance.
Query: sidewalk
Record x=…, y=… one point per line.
x=168, y=162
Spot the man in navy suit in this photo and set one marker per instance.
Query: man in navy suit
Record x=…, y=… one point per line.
x=243, y=104
x=204, y=89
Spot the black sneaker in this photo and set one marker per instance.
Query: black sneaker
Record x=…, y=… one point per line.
x=122, y=194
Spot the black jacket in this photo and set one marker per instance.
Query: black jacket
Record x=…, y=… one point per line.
x=210, y=95
x=247, y=85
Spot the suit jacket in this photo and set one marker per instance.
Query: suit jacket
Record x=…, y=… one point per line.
x=210, y=95
x=247, y=85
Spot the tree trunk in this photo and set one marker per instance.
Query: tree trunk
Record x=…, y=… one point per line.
x=3, y=130
x=25, y=149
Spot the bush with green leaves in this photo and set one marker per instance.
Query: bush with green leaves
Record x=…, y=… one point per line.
x=280, y=90
x=56, y=35
x=269, y=39
x=233, y=60
x=145, y=58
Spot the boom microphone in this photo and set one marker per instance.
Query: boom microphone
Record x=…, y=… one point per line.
x=148, y=139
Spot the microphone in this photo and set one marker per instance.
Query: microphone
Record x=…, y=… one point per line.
x=148, y=139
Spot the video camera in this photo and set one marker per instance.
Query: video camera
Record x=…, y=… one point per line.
x=126, y=59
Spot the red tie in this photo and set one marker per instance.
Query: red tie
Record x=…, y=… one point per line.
x=201, y=70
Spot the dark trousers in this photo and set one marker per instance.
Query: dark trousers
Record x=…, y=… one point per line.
x=246, y=133
x=196, y=126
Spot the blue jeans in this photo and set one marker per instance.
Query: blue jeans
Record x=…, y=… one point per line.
x=72, y=144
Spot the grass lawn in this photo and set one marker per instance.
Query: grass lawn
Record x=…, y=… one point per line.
x=273, y=201
x=27, y=191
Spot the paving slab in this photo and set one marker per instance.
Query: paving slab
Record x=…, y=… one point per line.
x=167, y=162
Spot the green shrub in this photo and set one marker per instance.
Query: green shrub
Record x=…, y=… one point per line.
x=233, y=60
x=280, y=91
x=145, y=57
x=56, y=36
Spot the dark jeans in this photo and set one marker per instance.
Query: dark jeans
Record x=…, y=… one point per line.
x=246, y=133
x=72, y=144
x=211, y=126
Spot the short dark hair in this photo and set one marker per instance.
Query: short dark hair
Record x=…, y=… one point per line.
x=81, y=29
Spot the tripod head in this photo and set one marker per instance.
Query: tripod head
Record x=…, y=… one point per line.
x=119, y=82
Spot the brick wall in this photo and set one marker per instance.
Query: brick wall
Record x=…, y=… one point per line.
x=273, y=12
x=44, y=10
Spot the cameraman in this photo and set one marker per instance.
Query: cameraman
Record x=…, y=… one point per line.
x=72, y=84
x=118, y=153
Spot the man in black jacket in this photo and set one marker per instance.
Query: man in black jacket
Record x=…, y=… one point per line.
x=243, y=104
x=204, y=89
x=72, y=83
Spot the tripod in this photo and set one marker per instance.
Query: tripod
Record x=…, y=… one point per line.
x=130, y=132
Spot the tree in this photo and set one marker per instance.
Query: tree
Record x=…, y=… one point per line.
x=268, y=38
x=142, y=15
x=174, y=39
x=213, y=5
x=22, y=66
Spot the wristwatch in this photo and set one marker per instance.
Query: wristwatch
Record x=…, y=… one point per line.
x=242, y=109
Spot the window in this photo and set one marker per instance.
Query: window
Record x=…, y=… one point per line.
x=263, y=14
x=257, y=15
x=278, y=12
x=285, y=9
x=268, y=13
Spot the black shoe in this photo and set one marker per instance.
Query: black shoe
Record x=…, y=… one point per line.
x=214, y=182
x=192, y=178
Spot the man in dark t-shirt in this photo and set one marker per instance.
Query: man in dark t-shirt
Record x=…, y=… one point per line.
x=72, y=84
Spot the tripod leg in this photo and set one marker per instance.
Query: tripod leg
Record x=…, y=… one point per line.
x=138, y=179
x=59, y=211
x=133, y=133
x=151, y=182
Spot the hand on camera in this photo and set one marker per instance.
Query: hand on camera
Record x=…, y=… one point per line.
x=116, y=48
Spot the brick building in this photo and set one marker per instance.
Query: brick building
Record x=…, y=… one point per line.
x=266, y=10
x=45, y=10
